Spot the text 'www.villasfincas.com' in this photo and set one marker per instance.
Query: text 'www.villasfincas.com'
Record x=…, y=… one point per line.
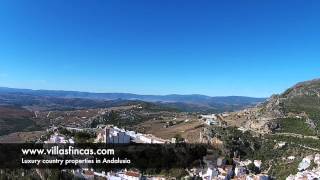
x=56, y=150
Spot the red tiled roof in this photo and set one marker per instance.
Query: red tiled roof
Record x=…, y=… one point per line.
x=133, y=174
x=89, y=173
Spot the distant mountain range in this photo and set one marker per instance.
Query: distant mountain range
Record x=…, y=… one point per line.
x=297, y=110
x=189, y=103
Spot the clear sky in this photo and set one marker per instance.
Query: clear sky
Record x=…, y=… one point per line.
x=212, y=47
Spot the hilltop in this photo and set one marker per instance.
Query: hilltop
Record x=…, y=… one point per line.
x=302, y=101
x=297, y=110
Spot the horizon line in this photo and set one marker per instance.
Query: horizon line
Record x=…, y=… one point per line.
x=80, y=91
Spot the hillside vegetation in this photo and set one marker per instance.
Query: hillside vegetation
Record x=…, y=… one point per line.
x=297, y=110
x=14, y=119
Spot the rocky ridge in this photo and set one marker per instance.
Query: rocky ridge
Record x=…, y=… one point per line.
x=300, y=101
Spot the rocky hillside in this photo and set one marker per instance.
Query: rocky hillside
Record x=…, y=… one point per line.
x=302, y=101
x=303, y=97
x=307, y=88
x=297, y=110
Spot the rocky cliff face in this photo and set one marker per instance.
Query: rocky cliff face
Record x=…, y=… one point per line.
x=273, y=107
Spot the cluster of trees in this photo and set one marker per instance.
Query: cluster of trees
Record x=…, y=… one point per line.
x=115, y=118
x=79, y=137
x=307, y=104
x=236, y=142
x=295, y=125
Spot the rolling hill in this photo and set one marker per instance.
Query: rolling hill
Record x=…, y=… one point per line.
x=13, y=119
x=190, y=103
x=18, y=106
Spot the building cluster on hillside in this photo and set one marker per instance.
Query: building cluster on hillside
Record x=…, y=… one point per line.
x=115, y=135
x=109, y=135
x=90, y=174
x=306, y=171
x=120, y=175
x=58, y=138
x=213, y=119
x=239, y=170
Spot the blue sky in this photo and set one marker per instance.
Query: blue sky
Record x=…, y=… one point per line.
x=218, y=48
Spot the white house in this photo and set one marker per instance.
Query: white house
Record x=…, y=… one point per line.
x=211, y=122
x=110, y=135
x=114, y=136
x=56, y=138
x=209, y=174
x=150, y=139
x=210, y=119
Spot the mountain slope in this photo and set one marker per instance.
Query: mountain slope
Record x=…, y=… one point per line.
x=303, y=99
x=297, y=110
x=14, y=119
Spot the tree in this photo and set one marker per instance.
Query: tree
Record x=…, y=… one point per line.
x=179, y=138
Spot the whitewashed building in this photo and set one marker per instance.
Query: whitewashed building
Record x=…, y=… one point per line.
x=110, y=135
